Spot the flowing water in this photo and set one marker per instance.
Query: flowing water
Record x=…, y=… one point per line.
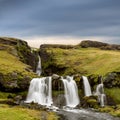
x=83, y=114
x=87, y=88
x=39, y=68
x=100, y=94
x=71, y=92
x=40, y=92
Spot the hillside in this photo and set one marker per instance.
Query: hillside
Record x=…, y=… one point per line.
x=84, y=61
x=92, y=60
x=15, y=71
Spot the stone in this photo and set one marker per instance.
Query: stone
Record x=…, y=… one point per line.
x=55, y=76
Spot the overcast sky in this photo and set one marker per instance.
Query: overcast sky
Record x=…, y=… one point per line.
x=60, y=21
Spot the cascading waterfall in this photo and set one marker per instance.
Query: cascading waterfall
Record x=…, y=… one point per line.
x=39, y=68
x=87, y=87
x=40, y=92
x=71, y=92
x=100, y=94
x=49, y=98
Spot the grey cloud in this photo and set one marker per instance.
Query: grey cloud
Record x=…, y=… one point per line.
x=60, y=17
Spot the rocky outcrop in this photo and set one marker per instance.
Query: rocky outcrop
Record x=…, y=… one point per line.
x=101, y=45
x=14, y=82
x=89, y=43
x=112, y=80
x=27, y=55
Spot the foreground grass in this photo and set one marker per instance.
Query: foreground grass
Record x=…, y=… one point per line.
x=86, y=60
x=18, y=113
x=111, y=110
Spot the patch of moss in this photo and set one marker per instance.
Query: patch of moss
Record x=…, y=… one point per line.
x=114, y=93
x=107, y=109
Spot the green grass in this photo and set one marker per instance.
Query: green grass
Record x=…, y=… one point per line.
x=114, y=93
x=4, y=95
x=111, y=110
x=86, y=60
x=10, y=63
x=19, y=113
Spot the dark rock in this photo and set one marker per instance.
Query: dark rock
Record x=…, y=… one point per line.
x=26, y=54
x=8, y=41
x=60, y=101
x=55, y=76
x=14, y=82
x=57, y=84
x=24, y=84
x=96, y=44
x=110, y=101
x=112, y=80
x=89, y=43
x=17, y=99
x=43, y=46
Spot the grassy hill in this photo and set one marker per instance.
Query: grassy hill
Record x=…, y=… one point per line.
x=85, y=61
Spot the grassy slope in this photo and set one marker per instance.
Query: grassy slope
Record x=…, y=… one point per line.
x=18, y=113
x=10, y=63
x=87, y=60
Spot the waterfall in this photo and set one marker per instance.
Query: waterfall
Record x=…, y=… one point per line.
x=39, y=70
x=71, y=92
x=100, y=94
x=87, y=87
x=40, y=92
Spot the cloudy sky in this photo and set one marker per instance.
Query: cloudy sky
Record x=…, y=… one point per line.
x=60, y=21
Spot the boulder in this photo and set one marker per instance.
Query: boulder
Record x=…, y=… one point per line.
x=55, y=76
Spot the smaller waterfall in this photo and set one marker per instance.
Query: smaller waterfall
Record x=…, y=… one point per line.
x=39, y=69
x=71, y=92
x=40, y=92
x=87, y=87
x=100, y=94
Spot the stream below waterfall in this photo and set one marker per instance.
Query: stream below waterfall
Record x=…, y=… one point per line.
x=83, y=114
x=40, y=92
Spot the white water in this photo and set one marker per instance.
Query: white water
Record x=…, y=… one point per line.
x=40, y=92
x=87, y=88
x=39, y=68
x=71, y=92
x=100, y=94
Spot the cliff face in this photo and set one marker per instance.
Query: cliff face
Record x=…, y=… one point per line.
x=17, y=63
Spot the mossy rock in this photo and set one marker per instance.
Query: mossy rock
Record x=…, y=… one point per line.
x=90, y=102
x=106, y=109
